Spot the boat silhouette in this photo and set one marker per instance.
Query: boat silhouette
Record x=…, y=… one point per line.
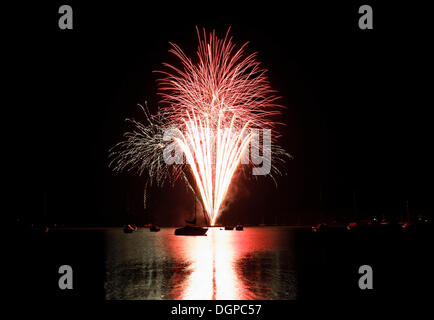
x=154, y=228
x=130, y=228
x=191, y=229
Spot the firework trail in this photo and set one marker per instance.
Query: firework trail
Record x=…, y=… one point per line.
x=212, y=105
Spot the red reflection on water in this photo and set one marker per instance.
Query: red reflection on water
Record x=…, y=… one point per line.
x=228, y=265
x=211, y=273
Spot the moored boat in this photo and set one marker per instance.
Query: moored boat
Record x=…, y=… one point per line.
x=191, y=231
x=154, y=228
x=130, y=228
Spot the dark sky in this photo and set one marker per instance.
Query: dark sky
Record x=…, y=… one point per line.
x=358, y=115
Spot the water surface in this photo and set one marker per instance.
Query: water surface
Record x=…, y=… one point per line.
x=257, y=263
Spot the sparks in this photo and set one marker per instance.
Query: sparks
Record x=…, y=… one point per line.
x=213, y=104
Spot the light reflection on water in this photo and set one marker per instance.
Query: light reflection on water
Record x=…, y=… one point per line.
x=257, y=263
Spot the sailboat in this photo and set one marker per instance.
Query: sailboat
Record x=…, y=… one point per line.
x=130, y=228
x=154, y=228
x=191, y=229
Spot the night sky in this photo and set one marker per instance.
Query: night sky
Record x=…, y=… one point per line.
x=358, y=120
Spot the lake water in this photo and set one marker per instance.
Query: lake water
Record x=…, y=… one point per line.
x=257, y=263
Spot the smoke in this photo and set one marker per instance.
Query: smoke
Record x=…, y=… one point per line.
x=238, y=191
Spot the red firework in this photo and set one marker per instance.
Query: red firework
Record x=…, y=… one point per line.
x=213, y=102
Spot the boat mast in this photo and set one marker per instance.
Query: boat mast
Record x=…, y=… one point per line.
x=204, y=215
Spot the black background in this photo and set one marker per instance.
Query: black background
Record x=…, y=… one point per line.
x=358, y=115
x=358, y=119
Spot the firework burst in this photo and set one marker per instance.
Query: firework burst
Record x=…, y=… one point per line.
x=214, y=107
